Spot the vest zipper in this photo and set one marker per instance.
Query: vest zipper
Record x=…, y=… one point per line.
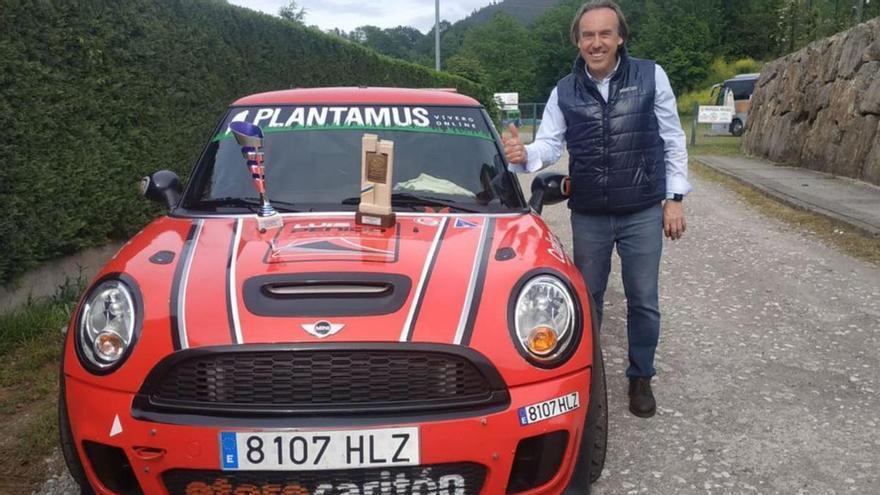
x=606, y=131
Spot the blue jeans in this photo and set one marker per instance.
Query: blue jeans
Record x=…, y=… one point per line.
x=639, y=240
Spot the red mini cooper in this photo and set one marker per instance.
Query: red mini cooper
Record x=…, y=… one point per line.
x=350, y=296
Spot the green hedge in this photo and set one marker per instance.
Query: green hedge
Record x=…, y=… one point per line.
x=96, y=94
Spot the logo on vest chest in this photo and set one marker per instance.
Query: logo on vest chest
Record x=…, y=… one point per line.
x=628, y=89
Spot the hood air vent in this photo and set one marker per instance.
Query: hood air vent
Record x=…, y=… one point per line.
x=327, y=289
x=326, y=294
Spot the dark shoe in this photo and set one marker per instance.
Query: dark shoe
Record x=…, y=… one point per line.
x=641, y=399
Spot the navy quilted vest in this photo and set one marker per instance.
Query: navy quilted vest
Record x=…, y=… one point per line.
x=616, y=160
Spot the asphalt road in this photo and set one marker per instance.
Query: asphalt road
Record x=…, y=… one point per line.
x=768, y=364
x=768, y=374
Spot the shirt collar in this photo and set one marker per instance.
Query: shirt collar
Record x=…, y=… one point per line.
x=608, y=77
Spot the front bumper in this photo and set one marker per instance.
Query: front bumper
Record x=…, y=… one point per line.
x=489, y=440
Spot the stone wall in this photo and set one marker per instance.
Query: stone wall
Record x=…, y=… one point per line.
x=45, y=280
x=819, y=107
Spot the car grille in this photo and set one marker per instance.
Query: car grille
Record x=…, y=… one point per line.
x=340, y=381
x=457, y=478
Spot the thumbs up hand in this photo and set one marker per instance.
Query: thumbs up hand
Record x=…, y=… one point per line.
x=514, y=149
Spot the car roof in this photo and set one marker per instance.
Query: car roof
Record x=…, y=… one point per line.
x=359, y=95
x=740, y=77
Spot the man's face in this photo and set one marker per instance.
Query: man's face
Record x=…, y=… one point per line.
x=599, y=40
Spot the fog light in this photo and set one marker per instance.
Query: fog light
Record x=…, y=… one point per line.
x=542, y=340
x=109, y=345
x=112, y=467
x=537, y=460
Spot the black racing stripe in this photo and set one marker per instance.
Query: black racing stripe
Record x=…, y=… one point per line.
x=229, y=290
x=412, y=324
x=175, y=285
x=478, y=286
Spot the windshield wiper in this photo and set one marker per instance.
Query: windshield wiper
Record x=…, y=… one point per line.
x=250, y=203
x=414, y=200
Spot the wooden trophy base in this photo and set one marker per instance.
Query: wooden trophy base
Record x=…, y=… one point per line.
x=375, y=220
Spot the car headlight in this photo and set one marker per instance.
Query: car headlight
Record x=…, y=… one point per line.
x=108, y=325
x=545, y=320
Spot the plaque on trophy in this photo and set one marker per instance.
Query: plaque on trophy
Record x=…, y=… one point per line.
x=377, y=165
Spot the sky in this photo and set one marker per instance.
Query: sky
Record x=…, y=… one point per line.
x=349, y=14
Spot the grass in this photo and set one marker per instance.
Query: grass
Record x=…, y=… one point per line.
x=727, y=145
x=30, y=348
x=27, y=324
x=39, y=437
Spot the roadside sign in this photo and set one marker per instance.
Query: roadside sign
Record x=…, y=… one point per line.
x=715, y=115
x=507, y=101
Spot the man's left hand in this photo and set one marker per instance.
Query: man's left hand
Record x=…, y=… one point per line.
x=673, y=219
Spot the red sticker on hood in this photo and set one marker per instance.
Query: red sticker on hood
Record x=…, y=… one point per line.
x=334, y=241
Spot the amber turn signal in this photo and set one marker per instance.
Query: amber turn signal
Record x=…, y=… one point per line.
x=109, y=345
x=542, y=340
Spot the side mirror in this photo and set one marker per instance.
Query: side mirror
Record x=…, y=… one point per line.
x=548, y=189
x=162, y=186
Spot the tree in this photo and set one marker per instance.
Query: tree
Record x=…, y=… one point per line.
x=504, y=50
x=338, y=32
x=466, y=67
x=450, y=42
x=399, y=42
x=750, y=28
x=552, y=49
x=293, y=13
x=799, y=22
x=680, y=37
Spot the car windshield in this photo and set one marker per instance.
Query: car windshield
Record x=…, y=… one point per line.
x=444, y=157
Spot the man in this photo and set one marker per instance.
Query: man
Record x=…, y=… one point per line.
x=618, y=119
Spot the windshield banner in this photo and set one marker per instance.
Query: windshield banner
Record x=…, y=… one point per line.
x=445, y=120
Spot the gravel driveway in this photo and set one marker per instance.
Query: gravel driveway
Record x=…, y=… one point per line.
x=768, y=365
x=768, y=374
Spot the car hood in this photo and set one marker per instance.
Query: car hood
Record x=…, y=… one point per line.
x=329, y=279
x=430, y=279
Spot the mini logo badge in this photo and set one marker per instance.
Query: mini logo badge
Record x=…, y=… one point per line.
x=322, y=328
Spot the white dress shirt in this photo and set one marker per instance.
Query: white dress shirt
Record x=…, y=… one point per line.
x=549, y=141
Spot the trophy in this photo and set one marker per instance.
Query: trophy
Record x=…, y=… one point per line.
x=377, y=163
x=250, y=138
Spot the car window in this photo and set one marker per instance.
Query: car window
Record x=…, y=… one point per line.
x=742, y=89
x=313, y=157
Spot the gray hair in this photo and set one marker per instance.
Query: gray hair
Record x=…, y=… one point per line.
x=622, y=27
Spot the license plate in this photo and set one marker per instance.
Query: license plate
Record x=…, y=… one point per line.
x=318, y=450
x=548, y=409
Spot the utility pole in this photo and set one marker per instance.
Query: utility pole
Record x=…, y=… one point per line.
x=437, y=34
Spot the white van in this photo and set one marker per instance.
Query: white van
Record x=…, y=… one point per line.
x=739, y=89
